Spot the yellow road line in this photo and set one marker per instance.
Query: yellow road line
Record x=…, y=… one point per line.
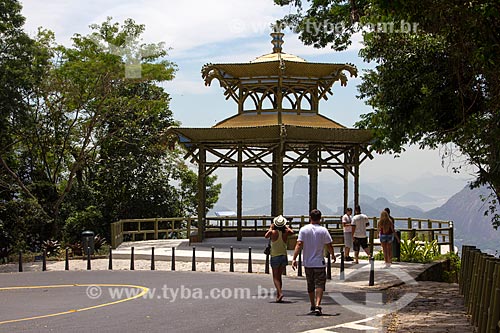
x=142, y=293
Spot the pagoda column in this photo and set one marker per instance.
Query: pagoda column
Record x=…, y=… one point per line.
x=239, y=195
x=346, y=182
x=277, y=185
x=202, y=198
x=313, y=179
x=356, y=176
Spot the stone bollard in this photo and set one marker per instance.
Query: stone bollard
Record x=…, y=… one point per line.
x=249, y=260
x=132, y=266
x=342, y=265
x=212, y=260
x=299, y=264
x=266, y=269
x=20, y=261
x=110, y=263
x=329, y=268
x=231, y=260
x=193, y=262
x=44, y=260
x=66, y=260
x=372, y=272
x=153, y=258
x=88, y=259
x=173, y=259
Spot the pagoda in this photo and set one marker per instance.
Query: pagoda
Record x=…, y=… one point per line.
x=278, y=127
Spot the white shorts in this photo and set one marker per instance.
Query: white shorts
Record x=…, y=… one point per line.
x=348, y=239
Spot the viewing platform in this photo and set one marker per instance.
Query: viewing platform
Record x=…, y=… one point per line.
x=133, y=230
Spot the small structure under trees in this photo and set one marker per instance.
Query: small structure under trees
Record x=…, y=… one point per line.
x=278, y=127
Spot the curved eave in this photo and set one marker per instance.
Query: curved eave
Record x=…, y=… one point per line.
x=320, y=71
x=270, y=134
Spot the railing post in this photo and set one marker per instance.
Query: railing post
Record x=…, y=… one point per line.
x=413, y=233
x=113, y=235
x=476, y=282
x=493, y=324
x=486, y=293
x=189, y=230
x=480, y=285
x=452, y=238
x=396, y=247
x=372, y=240
x=156, y=228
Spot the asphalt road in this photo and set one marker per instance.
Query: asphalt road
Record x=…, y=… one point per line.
x=172, y=302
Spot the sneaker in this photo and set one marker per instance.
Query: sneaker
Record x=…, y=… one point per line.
x=349, y=259
x=312, y=310
x=317, y=311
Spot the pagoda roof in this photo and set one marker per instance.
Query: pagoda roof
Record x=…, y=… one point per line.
x=275, y=68
x=252, y=119
x=277, y=56
x=264, y=135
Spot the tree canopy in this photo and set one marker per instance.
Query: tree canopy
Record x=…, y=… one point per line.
x=82, y=133
x=436, y=77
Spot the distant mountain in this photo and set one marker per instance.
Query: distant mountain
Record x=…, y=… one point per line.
x=472, y=227
x=464, y=208
x=432, y=186
x=414, y=197
x=373, y=207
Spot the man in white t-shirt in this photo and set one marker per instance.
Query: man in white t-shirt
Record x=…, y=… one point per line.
x=359, y=224
x=312, y=239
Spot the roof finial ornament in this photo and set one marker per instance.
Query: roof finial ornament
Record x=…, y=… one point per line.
x=277, y=36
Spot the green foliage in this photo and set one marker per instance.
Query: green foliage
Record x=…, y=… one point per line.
x=23, y=225
x=452, y=273
x=51, y=247
x=436, y=85
x=379, y=255
x=82, y=133
x=413, y=250
x=79, y=221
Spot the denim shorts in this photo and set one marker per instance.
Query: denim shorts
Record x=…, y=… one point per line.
x=386, y=238
x=279, y=261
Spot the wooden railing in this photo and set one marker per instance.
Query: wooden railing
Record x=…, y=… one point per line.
x=480, y=286
x=164, y=228
x=149, y=229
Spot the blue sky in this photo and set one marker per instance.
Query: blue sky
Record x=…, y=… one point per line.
x=215, y=31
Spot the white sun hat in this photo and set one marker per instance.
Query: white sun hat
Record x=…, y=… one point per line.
x=279, y=221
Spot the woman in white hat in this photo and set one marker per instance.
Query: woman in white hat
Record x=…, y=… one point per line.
x=278, y=233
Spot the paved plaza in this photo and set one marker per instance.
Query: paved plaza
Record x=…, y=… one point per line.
x=180, y=301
